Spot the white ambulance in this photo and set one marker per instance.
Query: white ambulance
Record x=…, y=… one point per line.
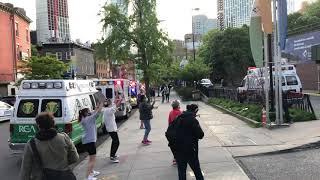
x=64, y=98
x=116, y=90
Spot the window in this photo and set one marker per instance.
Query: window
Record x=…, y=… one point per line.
x=109, y=93
x=68, y=55
x=17, y=29
x=27, y=35
x=28, y=108
x=291, y=80
x=59, y=55
x=52, y=105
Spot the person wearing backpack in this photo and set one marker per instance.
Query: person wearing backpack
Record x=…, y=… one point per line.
x=49, y=154
x=174, y=113
x=188, y=133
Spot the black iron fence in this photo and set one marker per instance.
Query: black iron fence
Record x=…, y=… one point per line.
x=296, y=100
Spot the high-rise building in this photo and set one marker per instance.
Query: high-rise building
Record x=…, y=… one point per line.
x=201, y=24
x=52, y=21
x=236, y=13
x=220, y=7
x=291, y=6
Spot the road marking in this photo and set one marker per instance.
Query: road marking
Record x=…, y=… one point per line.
x=252, y=141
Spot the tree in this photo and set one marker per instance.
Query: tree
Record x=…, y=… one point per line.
x=137, y=31
x=194, y=71
x=228, y=53
x=34, y=50
x=44, y=68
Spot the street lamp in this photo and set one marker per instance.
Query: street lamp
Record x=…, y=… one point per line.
x=194, y=50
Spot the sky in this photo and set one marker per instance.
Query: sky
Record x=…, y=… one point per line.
x=175, y=16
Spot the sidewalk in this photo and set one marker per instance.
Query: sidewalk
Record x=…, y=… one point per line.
x=226, y=137
x=138, y=162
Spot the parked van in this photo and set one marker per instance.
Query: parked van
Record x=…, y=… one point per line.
x=255, y=82
x=63, y=98
x=117, y=90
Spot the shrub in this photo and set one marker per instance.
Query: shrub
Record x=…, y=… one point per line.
x=185, y=92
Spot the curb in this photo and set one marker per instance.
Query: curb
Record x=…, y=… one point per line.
x=251, y=122
x=313, y=94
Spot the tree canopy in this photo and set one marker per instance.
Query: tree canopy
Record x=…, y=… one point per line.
x=44, y=68
x=228, y=53
x=140, y=32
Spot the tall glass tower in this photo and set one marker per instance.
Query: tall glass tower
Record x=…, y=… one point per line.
x=237, y=12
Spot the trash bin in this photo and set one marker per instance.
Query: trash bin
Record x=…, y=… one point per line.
x=196, y=95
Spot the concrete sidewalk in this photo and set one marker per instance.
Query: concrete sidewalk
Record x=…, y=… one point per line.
x=154, y=162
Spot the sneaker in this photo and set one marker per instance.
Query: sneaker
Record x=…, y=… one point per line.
x=114, y=159
x=149, y=141
x=95, y=173
x=90, y=177
x=145, y=142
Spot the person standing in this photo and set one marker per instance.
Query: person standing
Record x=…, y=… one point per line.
x=174, y=113
x=167, y=92
x=111, y=127
x=89, y=137
x=188, y=134
x=145, y=110
x=56, y=150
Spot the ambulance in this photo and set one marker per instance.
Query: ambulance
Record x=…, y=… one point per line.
x=255, y=82
x=63, y=98
x=116, y=90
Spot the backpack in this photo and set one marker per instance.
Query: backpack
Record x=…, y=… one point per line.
x=50, y=174
x=171, y=133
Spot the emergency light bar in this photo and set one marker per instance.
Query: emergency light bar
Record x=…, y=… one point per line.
x=42, y=85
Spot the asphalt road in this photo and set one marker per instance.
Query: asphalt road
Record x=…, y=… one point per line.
x=315, y=101
x=303, y=164
x=10, y=163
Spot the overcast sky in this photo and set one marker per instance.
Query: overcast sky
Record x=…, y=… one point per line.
x=84, y=21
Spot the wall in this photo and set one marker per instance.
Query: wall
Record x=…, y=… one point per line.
x=6, y=49
x=84, y=62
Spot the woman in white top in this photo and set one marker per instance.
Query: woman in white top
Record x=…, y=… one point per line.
x=111, y=127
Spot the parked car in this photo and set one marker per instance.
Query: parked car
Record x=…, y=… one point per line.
x=5, y=111
x=9, y=100
x=206, y=83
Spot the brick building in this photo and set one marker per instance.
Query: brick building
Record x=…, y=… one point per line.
x=14, y=45
x=103, y=69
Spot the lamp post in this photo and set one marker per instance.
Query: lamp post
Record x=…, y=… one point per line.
x=194, y=50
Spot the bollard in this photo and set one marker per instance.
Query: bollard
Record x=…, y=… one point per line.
x=264, y=117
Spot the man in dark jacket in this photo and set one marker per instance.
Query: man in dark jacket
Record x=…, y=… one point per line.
x=145, y=110
x=188, y=134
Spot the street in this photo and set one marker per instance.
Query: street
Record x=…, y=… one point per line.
x=293, y=165
x=9, y=163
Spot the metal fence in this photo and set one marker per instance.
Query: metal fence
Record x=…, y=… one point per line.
x=294, y=100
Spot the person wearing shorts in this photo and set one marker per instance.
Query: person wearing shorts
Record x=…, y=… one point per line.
x=88, y=121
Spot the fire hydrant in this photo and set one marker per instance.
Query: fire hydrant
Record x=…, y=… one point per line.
x=264, y=117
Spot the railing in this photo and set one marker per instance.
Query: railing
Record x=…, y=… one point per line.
x=294, y=100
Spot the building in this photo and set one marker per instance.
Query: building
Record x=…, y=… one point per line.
x=201, y=24
x=52, y=21
x=179, y=51
x=291, y=6
x=188, y=41
x=220, y=8
x=103, y=69
x=236, y=13
x=80, y=57
x=14, y=45
x=33, y=37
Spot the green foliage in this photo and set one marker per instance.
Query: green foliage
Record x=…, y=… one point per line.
x=44, y=68
x=185, y=92
x=34, y=50
x=303, y=22
x=138, y=31
x=194, y=71
x=253, y=111
x=228, y=53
